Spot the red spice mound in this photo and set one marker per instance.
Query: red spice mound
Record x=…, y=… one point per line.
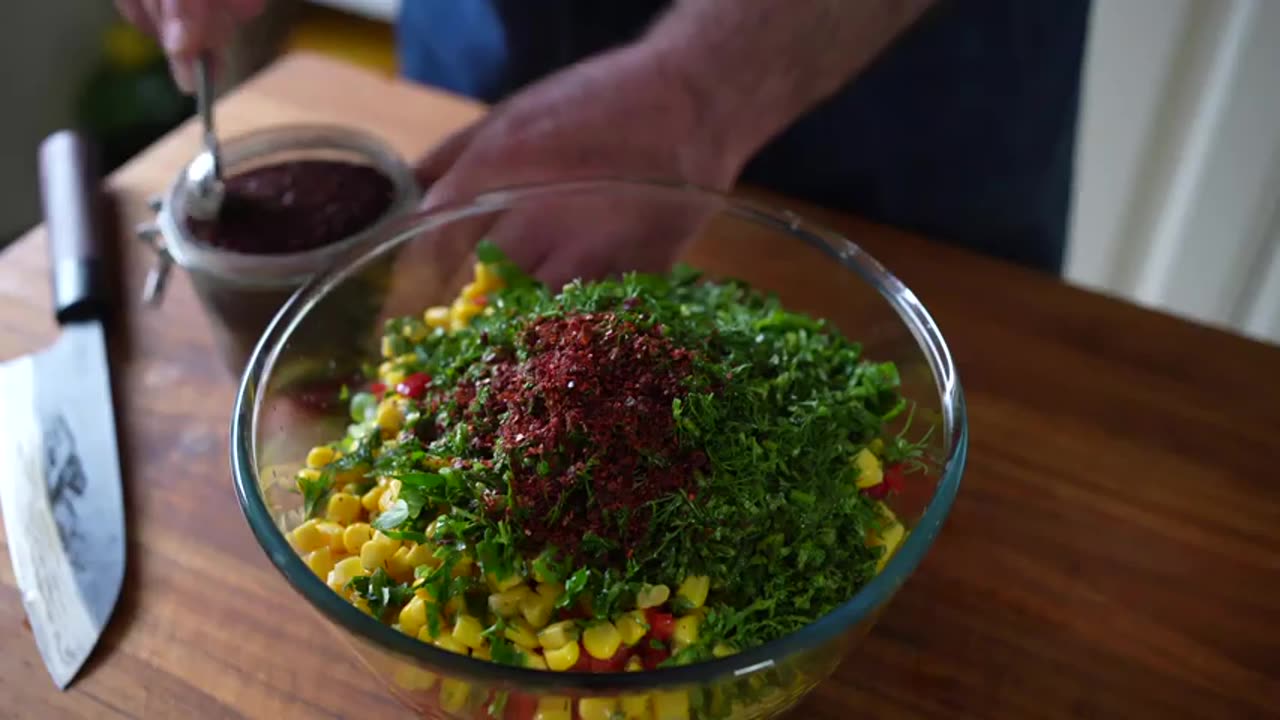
x=587, y=421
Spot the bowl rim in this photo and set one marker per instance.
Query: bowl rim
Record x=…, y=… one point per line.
x=870, y=597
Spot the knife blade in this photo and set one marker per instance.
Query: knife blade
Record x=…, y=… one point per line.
x=60, y=487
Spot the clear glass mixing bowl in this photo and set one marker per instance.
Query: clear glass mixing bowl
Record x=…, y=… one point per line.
x=288, y=402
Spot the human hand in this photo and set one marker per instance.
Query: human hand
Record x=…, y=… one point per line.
x=187, y=28
x=620, y=115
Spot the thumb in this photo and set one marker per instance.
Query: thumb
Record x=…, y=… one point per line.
x=437, y=162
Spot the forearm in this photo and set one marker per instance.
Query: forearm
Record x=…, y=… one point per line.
x=757, y=65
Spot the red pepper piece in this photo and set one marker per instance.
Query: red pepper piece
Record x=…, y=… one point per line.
x=520, y=706
x=378, y=389
x=414, y=386
x=480, y=301
x=879, y=491
x=651, y=656
x=584, y=662
x=661, y=625
x=895, y=478
x=614, y=664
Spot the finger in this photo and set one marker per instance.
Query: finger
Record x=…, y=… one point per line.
x=522, y=234
x=136, y=14
x=243, y=10
x=437, y=162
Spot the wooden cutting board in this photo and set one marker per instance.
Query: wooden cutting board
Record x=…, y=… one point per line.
x=1114, y=551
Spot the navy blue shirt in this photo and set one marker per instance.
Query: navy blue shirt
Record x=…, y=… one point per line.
x=963, y=130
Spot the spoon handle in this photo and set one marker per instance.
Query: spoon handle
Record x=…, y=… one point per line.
x=204, y=104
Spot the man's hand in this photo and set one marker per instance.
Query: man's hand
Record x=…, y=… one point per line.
x=705, y=89
x=619, y=115
x=187, y=28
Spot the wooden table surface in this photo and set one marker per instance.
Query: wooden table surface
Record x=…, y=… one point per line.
x=1114, y=551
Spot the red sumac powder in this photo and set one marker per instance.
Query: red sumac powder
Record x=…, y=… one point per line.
x=586, y=418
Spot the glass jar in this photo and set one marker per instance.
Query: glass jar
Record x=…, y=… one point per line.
x=241, y=292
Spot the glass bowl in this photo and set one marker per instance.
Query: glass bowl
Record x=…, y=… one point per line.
x=288, y=402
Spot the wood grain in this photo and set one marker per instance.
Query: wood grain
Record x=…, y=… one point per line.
x=1114, y=551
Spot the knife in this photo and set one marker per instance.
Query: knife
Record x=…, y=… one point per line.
x=60, y=490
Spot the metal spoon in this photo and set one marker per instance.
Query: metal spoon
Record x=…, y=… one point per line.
x=204, y=174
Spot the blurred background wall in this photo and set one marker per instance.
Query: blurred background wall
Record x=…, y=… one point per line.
x=1177, y=198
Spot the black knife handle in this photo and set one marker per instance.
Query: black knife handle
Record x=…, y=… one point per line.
x=69, y=195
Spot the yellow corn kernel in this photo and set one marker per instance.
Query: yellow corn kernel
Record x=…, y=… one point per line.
x=870, y=473
x=307, y=537
x=563, y=658
x=389, y=496
x=320, y=561
x=454, y=694
x=447, y=642
x=455, y=605
x=332, y=533
x=369, y=500
x=694, y=590
x=415, y=332
x=362, y=605
x=597, y=708
x=635, y=707
x=422, y=555
x=536, y=608
x=413, y=616
x=557, y=635
x=632, y=627
x=486, y=279
x=506, y=583
x=890, y=539
x=634, y=664
x=424, y=635
x=390, y=418
x=436, y=317
x=407, y=358
x=521, y=633
x=601, y=640
x=723, y=650
x=461, y=313
x=398, y=565
x=550, y=590
x=343, y=508
x=652, y=596
x=343, y=571
x=482, y=653
x=412, y=678
x=506, y=604
x=471, y=291
x=388, y=347
x=320, y=456
x=686, y=631
x=466, y=630
x=671, y=705
x=534, y=661
x=350, y=489
x=308, y=474
x=464, y=566
x=355, y=536
x=374, y=554
x=554, y=708
x=350, y=475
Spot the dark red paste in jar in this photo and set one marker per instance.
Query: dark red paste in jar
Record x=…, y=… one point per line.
x=589, y=410
x=296, y=206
